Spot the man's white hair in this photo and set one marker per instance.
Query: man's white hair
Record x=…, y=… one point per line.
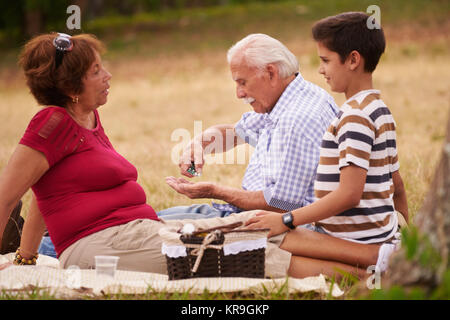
x=259, y=50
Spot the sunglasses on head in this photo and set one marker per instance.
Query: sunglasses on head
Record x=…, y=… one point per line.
x=62, y=44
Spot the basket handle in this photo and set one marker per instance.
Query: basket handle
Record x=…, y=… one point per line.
x=229, y=228
x=224, y=228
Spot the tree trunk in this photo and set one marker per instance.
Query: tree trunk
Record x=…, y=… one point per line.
x=433, y=223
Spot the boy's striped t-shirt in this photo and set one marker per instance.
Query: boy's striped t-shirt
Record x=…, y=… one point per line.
x=362, y=134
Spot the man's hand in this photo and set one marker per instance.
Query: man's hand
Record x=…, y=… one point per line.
x=191, y=154
x=192, y=190
x=267, y=219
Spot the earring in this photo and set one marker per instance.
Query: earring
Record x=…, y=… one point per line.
x=75, y=100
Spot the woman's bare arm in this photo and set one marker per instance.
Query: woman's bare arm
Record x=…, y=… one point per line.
x=25, y=167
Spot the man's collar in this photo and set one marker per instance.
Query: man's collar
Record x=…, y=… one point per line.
x=281, y=104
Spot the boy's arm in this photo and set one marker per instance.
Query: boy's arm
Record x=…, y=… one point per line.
x=400, y=201
x=346, y=196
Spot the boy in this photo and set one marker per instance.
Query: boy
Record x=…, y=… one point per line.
x=358, y=185
x=365, y=129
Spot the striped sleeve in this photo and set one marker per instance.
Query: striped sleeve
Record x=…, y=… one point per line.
x=355, y=134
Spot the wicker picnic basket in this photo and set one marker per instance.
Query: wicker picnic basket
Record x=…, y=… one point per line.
x=225, y=251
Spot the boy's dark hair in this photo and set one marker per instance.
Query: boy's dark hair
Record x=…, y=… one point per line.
x=348, y=31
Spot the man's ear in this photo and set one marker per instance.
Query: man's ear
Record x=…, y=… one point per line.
x=272, y=71
x=354, y=60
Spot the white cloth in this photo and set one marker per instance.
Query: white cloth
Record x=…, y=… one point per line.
x=70, y=283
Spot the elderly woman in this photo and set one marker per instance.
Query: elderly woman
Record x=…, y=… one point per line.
x=86, y=194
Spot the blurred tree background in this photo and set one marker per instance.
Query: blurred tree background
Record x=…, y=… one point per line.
x=22, y=19
x=172, y=27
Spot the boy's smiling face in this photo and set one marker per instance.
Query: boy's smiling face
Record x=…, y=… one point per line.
x=335, y=72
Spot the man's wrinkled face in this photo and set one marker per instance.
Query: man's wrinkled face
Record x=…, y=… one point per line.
x=253, y=86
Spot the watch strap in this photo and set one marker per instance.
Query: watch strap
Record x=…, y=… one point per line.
x=288, y=220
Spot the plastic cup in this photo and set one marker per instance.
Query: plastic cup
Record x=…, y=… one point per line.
x=106, y=265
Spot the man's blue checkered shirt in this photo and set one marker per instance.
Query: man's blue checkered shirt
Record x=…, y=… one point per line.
x=287, y=145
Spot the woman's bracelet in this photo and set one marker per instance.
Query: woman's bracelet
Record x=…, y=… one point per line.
x=19, y=260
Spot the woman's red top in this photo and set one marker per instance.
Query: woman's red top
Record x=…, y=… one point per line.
x=89, y=186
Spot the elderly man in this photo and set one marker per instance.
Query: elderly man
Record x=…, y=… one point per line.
x=286, y=127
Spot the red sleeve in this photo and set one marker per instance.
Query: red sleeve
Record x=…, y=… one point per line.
x=52, y=132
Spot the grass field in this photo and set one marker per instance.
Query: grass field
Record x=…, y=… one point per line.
x=166, y=78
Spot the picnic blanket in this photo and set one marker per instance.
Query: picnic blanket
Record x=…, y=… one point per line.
x=74, y=282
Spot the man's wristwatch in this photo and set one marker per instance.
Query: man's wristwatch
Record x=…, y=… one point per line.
x=288, y=220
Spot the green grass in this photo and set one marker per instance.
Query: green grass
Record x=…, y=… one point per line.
x=278, y=293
